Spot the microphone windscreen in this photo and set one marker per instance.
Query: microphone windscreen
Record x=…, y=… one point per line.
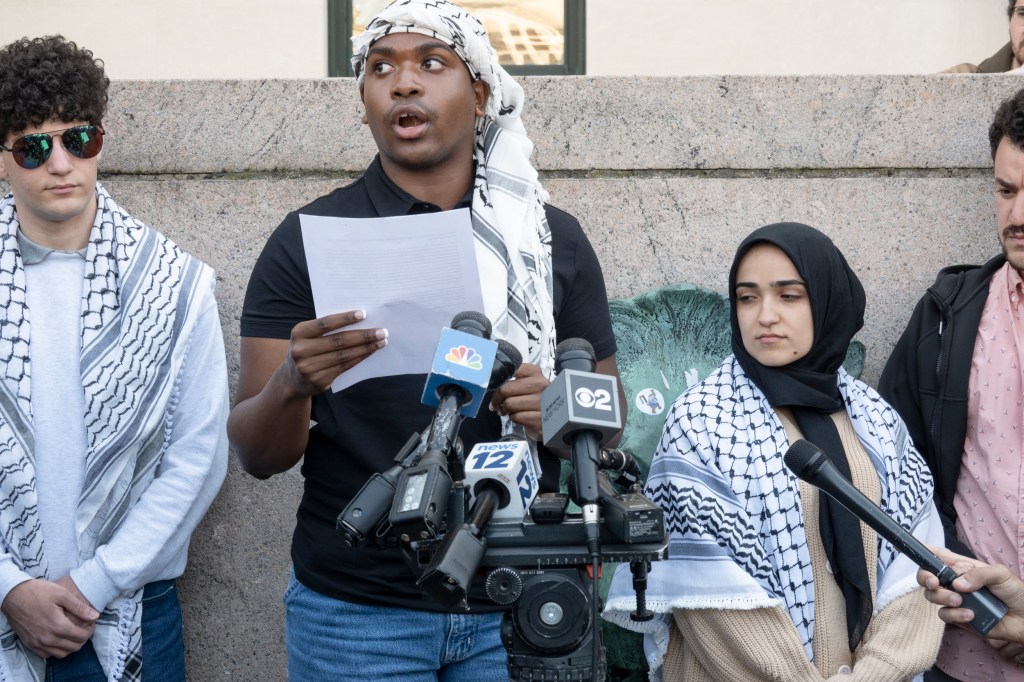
x=515, y=358
x=507, y=359
x=800, y=458
x=472, y=322
x=575, y=354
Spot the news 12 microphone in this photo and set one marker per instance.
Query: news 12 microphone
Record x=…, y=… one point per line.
x=506, y=467
x=810, y=464
x=580, y=408
x=502, y=481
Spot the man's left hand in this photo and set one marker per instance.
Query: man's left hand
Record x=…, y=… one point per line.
x=519, y=399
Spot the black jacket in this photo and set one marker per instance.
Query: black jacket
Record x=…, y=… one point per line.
x=926, y=376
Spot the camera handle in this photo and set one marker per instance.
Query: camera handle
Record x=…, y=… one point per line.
x=639, y=569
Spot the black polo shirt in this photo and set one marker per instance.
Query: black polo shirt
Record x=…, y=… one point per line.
x=359, y=430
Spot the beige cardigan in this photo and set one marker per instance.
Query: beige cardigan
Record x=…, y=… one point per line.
x=718, y=645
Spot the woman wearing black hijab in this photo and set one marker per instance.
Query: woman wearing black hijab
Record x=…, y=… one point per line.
x=766, y=579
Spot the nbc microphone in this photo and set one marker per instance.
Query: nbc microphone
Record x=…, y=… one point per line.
x=458, y=379
x=502, y=482
x=461, y=370
x=581, y=408
x=810, y=464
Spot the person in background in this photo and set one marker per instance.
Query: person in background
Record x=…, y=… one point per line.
x=1011, y=55
x=955, y=376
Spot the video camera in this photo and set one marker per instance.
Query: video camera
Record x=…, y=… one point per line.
x=460, y=518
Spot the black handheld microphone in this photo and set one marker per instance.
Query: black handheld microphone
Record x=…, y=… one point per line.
x=810, y=464
x=507, y=360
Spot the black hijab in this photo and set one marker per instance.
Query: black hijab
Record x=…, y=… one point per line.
x=809, y=388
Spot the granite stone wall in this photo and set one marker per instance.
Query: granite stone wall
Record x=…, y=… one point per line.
x=666, y=176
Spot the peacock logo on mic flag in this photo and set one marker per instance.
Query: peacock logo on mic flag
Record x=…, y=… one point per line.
x=465, y=356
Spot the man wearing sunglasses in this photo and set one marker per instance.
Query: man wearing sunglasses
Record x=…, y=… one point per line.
x=113, y=393
x=445, y=118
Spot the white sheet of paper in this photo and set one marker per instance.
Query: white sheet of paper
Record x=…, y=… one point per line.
x=411, y=274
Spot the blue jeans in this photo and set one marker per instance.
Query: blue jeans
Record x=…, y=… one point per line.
x=337, y=641
x=163, y=650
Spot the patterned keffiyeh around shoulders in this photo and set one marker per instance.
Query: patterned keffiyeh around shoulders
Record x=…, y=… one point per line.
x=734, y=513
x=139, y=307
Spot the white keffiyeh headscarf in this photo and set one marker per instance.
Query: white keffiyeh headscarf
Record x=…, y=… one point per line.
x=512, y=233
x=137, y=314
x=734, y=513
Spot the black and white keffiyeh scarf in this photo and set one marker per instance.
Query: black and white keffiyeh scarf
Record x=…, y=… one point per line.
x=137, y=314
x=509, y=224
x=734, y=513
x=807, y=386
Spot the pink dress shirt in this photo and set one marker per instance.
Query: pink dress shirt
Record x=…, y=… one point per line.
x=989, y=507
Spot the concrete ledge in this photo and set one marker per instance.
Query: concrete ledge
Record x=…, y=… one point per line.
x=578, y=123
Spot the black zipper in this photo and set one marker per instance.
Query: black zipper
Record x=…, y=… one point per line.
x=945, y=336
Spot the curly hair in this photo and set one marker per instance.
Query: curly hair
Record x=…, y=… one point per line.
x=1008, y=123
x=49, y=78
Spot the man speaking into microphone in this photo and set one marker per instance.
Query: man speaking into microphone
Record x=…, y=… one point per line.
x=445, y=118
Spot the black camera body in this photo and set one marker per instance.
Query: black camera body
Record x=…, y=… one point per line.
x=541, y=568
x=543, y=565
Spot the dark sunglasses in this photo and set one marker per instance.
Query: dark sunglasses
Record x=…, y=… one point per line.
x=32, y=151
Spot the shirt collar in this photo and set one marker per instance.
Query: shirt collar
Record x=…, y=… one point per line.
x=391, y=200
x=32, y=253
x=1014, y=283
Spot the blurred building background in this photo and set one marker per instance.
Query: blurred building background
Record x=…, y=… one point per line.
x=230, y=39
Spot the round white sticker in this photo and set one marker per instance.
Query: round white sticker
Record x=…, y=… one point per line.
x=650, y=401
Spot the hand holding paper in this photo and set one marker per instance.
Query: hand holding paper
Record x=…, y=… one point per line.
x=409, y=273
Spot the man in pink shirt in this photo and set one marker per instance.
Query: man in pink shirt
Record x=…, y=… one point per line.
x=956, y=378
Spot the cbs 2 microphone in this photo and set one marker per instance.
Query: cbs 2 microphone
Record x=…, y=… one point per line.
x=580, y=408
x=810, y=464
